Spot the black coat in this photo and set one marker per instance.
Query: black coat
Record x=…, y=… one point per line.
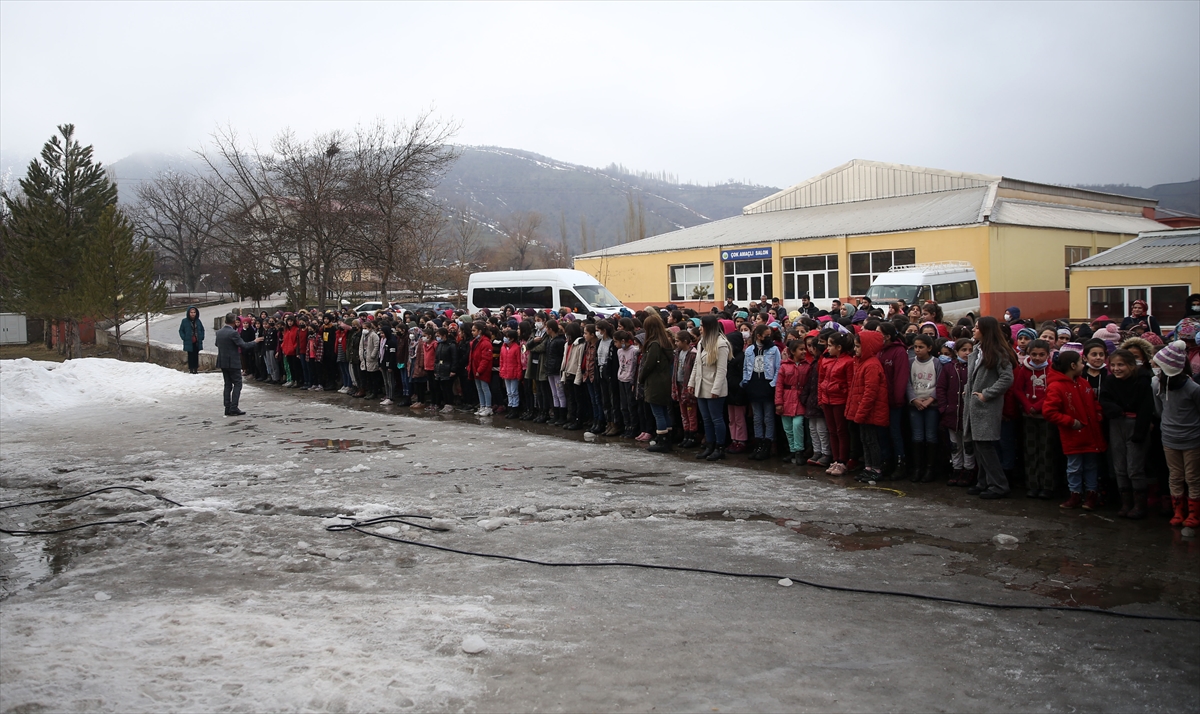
x=228, y=341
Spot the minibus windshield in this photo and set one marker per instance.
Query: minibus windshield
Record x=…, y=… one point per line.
x=597, y=296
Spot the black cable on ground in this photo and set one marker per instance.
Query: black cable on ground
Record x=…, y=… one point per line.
x=357, y=526
x=76, y=498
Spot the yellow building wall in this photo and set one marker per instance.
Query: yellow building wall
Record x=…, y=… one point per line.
x=1117, y=277
x=1034, y=259
x=645, y=278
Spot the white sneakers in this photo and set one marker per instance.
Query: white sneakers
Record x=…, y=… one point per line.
x=448, y=409
x=386, y=403
x=485, y=412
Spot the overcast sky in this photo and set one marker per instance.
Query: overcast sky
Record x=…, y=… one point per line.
x=774, y=93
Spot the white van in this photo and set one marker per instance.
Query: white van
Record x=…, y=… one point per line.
x=549, y=289
x=951, y=284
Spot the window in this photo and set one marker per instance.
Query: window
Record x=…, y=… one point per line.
x=1074, y=254
x=517, y=296
x=692, y=282
x=566, y=298
x=1167, y=303
x=816, y=275
x=953, y=292
x=865, y=267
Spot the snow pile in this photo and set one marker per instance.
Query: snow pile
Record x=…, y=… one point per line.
x=31, y=389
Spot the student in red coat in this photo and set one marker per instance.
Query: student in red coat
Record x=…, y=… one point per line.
x=867, y=401
x=479, y=368
x=834, y=370
x=1071, y=406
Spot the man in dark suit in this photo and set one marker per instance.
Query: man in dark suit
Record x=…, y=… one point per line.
x=230, y=362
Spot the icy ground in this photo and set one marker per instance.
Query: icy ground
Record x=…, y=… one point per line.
x=242, y=601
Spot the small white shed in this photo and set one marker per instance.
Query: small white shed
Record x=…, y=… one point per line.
x=12, y=329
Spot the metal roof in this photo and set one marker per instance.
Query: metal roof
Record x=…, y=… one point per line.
x=886, y=215
x=1151, y=248
x=1048, y=215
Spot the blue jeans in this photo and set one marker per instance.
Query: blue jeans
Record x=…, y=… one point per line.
x=598, y=414
x=512, y=387
x=712, y=411
x=764, y=418
x=1083, y=470
x=484, y=389
x=406, y=387
x=924, y=424
x=662, y=417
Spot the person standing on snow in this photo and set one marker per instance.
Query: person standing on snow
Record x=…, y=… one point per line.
x=191, y=331
x=229, y=361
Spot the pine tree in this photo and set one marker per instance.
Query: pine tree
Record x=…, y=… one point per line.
x=47, y=229
x=120, y=272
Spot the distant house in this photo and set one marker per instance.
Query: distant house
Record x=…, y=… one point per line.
x=1160, y=267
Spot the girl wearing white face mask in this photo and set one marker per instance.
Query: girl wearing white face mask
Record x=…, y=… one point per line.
x=1041, y=438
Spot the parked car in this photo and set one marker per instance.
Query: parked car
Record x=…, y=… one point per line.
x=952, y=284
x=368, y=307
x=541, y=289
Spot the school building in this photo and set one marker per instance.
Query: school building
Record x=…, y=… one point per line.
x=1161, y=267
x=831, y=235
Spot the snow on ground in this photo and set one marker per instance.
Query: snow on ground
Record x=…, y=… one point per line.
x=32, y=389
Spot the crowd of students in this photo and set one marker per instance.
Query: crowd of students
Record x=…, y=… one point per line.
x=1110, y=411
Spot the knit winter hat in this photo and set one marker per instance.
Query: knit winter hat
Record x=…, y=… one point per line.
x=1027, y=333
x=1014, y=312
x=1171, y=358
x=1153, y=339
x=1109, y=333
x=1187, y=329
x=1063, y=332
x=1072, y=347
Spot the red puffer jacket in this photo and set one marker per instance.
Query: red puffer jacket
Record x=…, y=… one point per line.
x=1070, y=400
x=789, y=387
x=512, y=362
x=479, y=364
x=867, y=402
x=833, y=379
x=291, y=341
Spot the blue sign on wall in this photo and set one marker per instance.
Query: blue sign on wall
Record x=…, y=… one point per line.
x=746, y=254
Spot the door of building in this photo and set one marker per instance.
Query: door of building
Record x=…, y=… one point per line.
x=748, y=280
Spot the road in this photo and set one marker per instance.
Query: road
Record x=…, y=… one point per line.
x=242, y=600
x=165, y=330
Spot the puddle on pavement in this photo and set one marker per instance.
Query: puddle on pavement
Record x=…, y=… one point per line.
x=26, y=561
x=732, y=515
x=357, y=445
x=654, y=478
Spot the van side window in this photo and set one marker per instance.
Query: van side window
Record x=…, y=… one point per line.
x=923, y=294
x=567, y=298
x=540, y=297
x=955, y=292
x=496, y=297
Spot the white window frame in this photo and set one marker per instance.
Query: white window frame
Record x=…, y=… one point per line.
x=832, y=287
x=851, y=275
x=687, y=286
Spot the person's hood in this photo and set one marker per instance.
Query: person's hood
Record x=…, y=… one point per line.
x=736, y=342
x=872, y=342
x=1014, y=313
x=1056, y=376
x=189, y=310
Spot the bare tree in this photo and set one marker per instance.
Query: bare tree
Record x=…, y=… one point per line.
x=426, y=249
x=522, y=232
x=583, y=234
x=463, y=248
x=635, y=219
x=396, y=169
x=560, y=255
x=181, y=215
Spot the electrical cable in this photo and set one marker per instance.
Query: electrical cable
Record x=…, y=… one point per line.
x=65, y=499
x=354, y=525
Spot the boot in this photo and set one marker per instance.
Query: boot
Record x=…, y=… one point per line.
x=955, y=477
x=762, y=451
x=1126, y=503
x=889, y=470
x=1193, y=519
x=1181, y=510
x=705, y=452
x=542, y=416
x=1137, y=511
x=930, y=451
x=662, y=443
x=737, y=447
x=717, y=454
x=612, y=429
x=917, y=465
x=689, y=440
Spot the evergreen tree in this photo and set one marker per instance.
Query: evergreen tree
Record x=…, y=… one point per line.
x=47, y=229
x=120, y=272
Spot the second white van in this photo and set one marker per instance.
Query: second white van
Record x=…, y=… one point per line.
x=550, y=289
x=951, y=284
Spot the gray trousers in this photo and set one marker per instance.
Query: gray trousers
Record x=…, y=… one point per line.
x=1128, y=458
x=233, y=386
x=991, y=471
